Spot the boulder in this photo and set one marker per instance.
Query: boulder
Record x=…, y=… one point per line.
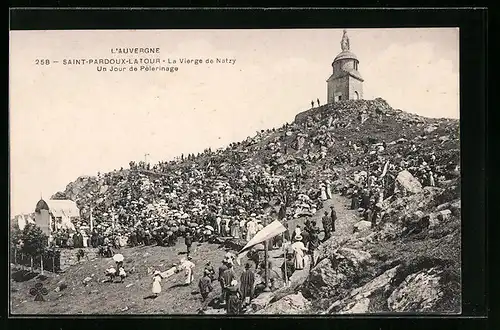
x=337, y=271
x=456, y=208
x=444, y=215
x=443, y=206
x=409, y=182
x=417, y=222
x=419, y=292
x=362, y=226
x=357, y=300
x=291, y=304
x=261, y=301
x=429, y=129
x=389, y=231
x=433, y=220
x=356, y=307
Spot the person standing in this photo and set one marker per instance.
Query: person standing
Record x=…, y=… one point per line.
x=210, y=269
x=206, y=290
x=298, y=250
x=156, y=283
x=222, y=269
x=317, y=100
x=313, y=242
x=323, y=192
x=187, y=266
x=227, y=277
x=333, y=217
x=312, y=104
x=287, y=268
x=233, y=305
x=251, y=229
x=188, y=240
x=247, y=280
x=328, y=189
x=235, y=228
x=327, y=227
x=218, y=221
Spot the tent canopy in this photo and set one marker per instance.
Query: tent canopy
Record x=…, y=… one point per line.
x=63, y=208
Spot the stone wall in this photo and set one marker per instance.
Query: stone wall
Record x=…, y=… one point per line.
x=69, y=257
x=338, y=86
x=355, y=85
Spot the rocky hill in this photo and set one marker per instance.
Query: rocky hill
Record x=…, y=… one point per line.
x=408, y=262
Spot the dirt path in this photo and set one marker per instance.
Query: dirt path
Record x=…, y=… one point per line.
x=346, y=218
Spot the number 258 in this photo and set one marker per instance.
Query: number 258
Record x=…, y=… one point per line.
x=42, y=62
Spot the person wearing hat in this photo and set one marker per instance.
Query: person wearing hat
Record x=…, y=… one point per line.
x=187, y=266
x=227, y=277
x=251, y=228
x=333, y=217
x=188, y=240
x=156, y=289
x=210, y=269
x=233, y=305
x=323, y=192
x=299, y=251
x=223, y=267
x=206, y=289
x=247, y=280
x=327, y=226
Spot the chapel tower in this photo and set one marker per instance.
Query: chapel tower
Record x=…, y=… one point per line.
x=345, y=83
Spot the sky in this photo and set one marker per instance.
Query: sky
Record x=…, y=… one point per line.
x=72, y=120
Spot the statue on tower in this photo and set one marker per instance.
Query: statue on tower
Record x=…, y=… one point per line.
x=344, y=44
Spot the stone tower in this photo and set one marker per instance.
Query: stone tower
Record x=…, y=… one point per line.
x=345, y=83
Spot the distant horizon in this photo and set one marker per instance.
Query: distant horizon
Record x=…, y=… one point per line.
x=71, y=121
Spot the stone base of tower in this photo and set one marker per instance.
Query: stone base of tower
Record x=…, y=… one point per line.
x=344, y=88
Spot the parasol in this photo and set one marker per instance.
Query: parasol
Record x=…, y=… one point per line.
x=258, y=247
x=118, y=257
x=209, y=227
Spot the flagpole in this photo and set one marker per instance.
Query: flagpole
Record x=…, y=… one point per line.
x=91, y=221
x=284, y=253
x=266, y=277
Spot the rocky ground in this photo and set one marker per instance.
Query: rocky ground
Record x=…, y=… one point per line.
x=409, y=263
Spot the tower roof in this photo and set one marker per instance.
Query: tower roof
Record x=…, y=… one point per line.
x=346, y=55
x=41, y=205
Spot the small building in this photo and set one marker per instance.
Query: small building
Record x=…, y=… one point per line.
x=346, y=82
x=53, y=215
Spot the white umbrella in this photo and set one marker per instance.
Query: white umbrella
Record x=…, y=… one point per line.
x=118, y=257
x=209, y=227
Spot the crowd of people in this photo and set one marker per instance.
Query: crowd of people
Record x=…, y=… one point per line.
x=233, y=191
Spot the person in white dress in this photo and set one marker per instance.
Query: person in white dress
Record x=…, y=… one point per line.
x=323, y=192
x=328, y=189
x=251, y=229
x=218, y=221
x=299, y=251
x=187, y=266
x=156, y=283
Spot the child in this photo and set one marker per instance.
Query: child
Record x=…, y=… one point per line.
x=122, y=274
x=156, y=283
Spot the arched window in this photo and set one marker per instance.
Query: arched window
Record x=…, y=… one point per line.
x=356, y=94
